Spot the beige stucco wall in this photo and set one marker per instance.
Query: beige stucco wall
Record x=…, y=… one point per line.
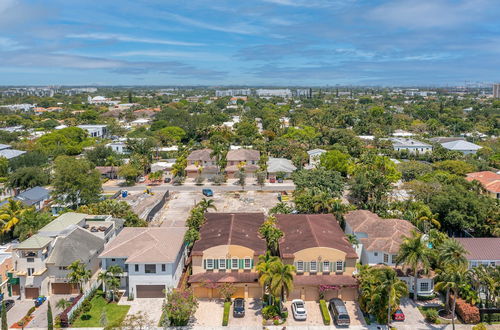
x=324, y=254
x=223, y=251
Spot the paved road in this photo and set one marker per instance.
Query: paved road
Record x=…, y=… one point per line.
x=19, y=310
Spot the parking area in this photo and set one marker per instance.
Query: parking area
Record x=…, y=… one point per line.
x=209, y=313
x=253, y=315
x=152, y=307
x=412, y=314
x=355, y=313
x=19, y=310
x=314, y=317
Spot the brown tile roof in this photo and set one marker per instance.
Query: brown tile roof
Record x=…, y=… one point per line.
x=224, y=277
x=247, y=167
x=481, y=248
x=383, y=234
x=341, y=280
x=231, y=229
x=243, y=155
x=302, y=231
x=202, y=154
x=489, y=180
x=146, y=244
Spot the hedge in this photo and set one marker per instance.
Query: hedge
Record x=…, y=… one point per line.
x=227, y=309
x=468, y=313
x=324, y=312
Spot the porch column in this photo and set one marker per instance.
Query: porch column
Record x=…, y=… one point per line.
x=246, y=291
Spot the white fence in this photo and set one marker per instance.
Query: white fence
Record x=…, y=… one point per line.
x=86, y=293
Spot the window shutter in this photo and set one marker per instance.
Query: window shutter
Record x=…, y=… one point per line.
x=204, y=263
x=228, y=263
x=320, y=266
x=306, y=266
x=216, y=263
x=241, y=263
x=343, y=266
x=295, y=265
x=332, y=270
x=251, y=263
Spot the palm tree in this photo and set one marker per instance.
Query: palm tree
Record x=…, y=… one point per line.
x=62, y=304
x=110, y=279
x=452, y=252
x=79, y=274
x=395, y=289
x=264, y=269
x=10, y=215
x=281, y=279
x=206, y=204
x=414, y=253
x=352, y=239
x=450, y=279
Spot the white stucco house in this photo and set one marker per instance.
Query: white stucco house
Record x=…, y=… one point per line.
x=98, y=131
x=152, y=259
x=119, y=147
x=379, y=242
x=314, y=157
x=410, y=145
x=462, y=146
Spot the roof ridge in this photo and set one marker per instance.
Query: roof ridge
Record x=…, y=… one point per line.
x=231, y=230
x=311, y=229
x=131, y=238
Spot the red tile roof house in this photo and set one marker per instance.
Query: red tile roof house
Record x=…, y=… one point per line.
x=324, y=259
x=489, y=180
x=481, y=250
x=227, y=252
x=235, y=157
x=379, y=242
x=201, y=159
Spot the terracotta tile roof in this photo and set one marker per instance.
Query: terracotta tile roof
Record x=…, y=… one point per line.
x=341, y=280
x=201, y=155
x=243, y=155
x=248, y=168
x=489, y=180
x=146, y=244
x=231, y=229
x=383, y=234
x=303, y=231
x=481, y=248
x=224, y=277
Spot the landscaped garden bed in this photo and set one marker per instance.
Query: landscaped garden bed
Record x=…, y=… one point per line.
x=114, y=313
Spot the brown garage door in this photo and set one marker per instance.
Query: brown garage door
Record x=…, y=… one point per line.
x=64, y=288
x=254, y=292
x=16, y=290
x=239, y=292
x=312, y=294
x=330, y=294
x=31, y=293
x=295, y=294
x=150, y=291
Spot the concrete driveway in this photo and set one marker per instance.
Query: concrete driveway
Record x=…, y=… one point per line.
x=412, y=314
x=19, y=310
x=152, y=307
x=253, y=314
x=209, y=313
x=355, y=313
x=314, y=317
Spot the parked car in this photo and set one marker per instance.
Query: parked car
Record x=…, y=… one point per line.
x=239, y=307
x=40, y=300
x=339, y=312
x=208, y=192
x=142, y=179
x=167, y=180
x=398, y=315
x=299, y=309
x=9, y=303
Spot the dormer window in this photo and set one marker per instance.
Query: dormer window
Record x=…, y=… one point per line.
x=222, y=263
x=209, y=263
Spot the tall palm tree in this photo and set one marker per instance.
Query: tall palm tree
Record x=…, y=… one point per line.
x=10, y=215
x=206, y=204
x=452, y=252
x=395, y=289
x=264, y=270
x=281, y=279
x=62, y=304
x=110, y=279
x=414, y=253
x=450, y=279
x=79, y=274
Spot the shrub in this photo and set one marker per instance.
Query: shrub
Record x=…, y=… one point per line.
x=479, y=326
x=468, y=313
x=324, y=312
x=227, y=309
x=431, y=315
x=30, y=311
x=269, y=312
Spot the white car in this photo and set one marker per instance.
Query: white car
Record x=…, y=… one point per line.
x=299, y=309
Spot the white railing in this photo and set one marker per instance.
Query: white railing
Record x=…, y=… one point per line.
x=86, y=293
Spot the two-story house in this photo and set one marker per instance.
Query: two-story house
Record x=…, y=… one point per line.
x=40, y=262
x=228, y=252
x=250, y=158
x=379, y=242
x=200, y=162
x=95, y=131
x=324, y=259
x=410, y=145
x=481, y=250
x=152, y=259
x=314, y=157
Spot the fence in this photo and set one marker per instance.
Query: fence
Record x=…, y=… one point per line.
x=158, y=206
x=116, y=194
x=88, y=292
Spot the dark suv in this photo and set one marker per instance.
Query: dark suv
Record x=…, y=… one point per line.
x=239, y=307
x=339, y=312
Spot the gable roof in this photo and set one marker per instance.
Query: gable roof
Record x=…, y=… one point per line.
x=243, y=154
x=303, y=231
x=280, y=165
x=315, y=151
x=146, y=244
x=33, y=195
x=202, y=154
x=231, y=229
x=35, y=242
x=460, y=145
x=404, y=142
x=481, y=248
x=63, y=221
x=383, y=234
x=489, y=180
x=11, y=153
x=79, y=244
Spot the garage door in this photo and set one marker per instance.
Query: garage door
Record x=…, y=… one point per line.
x=330, y=294
x=31, y=293
x=349, y=294
x=150, y=291
x=64, y=288
x=254, y=292
x=200, y=292
x=239, y=292
x=295, y=294
x=312, y=294
x=16, y=290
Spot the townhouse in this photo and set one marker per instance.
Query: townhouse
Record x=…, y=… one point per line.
x=200, y=162
x=247, y=158
x=227, y=252
x=324, y=259
x=481, y=250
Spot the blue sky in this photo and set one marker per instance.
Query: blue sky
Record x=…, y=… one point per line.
x=253, y=42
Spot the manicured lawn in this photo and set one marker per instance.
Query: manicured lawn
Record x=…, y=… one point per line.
x=114, y=313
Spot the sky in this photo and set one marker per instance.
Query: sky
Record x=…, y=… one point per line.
x=252, y=42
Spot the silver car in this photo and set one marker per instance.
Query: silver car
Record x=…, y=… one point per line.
x=299, y=310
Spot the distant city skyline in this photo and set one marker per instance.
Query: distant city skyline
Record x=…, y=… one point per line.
x=252, y=43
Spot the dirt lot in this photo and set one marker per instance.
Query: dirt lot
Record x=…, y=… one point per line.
x=140, y=202
x=177, y=209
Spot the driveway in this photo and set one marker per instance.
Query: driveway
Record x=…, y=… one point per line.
x=413, y=316
x=314, y=317
x=355, y=313
x=209, y=313
x=253, y=315
x=19, y=310
x=152, y=307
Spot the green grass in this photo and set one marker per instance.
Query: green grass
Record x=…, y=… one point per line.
x=225, y=316
x=324, y=312
x=114, y=313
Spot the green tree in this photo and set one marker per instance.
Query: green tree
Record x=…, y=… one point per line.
x=264, y=269
x=28, y=177
x=118, y=209
x=414, y=253
x=261, y=178
x=62, y=304
x=4, y=317
x=4, y=166
x=10, y=215
x=456, y=167
x=50, y=321
x=412, y=170
x=271, y=233
x=319, y=179
x=180, y=306
x=76, y=182
x=281, y=279
x=246, y=132
x=241, y=176
x=171, y=135
x=99, y=154
x=451, y=277
x=111, y=280
x=30, y=222
x=129, y=172
x=206, y=204
x=79, y=274
x=336, y=160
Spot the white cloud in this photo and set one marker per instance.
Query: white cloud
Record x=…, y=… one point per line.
x=7, y=44
x=233, y=28
x=159, y=53
x=125, y=38
x=309, y=3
